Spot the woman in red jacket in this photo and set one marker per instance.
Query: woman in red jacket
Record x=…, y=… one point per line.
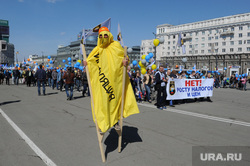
x=69, y=83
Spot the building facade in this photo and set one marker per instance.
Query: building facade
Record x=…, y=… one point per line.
x=7, y=50
x=210, y=45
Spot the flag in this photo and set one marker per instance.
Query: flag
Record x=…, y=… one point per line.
x=94, y=31
x=119, y=36
x=183, y=49
x=106, y=78
x=180, y=41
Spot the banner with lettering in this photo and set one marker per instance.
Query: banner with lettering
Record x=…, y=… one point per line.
x=189, y=88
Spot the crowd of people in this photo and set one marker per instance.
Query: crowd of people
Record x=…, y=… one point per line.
x=148, y=87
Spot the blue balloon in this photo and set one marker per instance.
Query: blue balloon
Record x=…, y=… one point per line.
x=63, y=60
x=69, y=59
x=24, y=63
x=203, y=77
x=139, y=66
x=36, y=63
x=201, y=74
x=134, y=62
x=69, y=63
x=58, y=70
x=65, y=68
x=239, y=75
x=66, y=65
x=47, y=65
x=29, y=67
x=236, y=75
x=147, y=58
x=151, y=55
x=243, y=75
x=17, y=65
x=51, y=62
x=225, y=68
x=212, y=71
x=49, y=57
x=78, y=64
x=81, y=68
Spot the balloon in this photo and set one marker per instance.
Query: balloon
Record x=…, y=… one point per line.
x=176, y=66
x=225, y=68
x=19, y=68
x=69, y=63
x=147, y=58
x=161, y=39
x=143, y=61
x=79, y=61
x=81, y=68
x=134, y=62
x=143, y=71
x=51, y=62
x=63, y=60
x=141, y=65
x=48, y=57
x=69, y=59
x=78, y=64
x=29, y=67
x=151, y=55
x=60, y=65
x=129, y=50
x=76, y=56
x=156, y=42
x=28, y=59
x=47, y=65
x=203, y=77
x=153, y=67
x=36, y=63
x=66, y=65
x=131, y=65
x=143, y=56
x=17, y=65
x=48, y=60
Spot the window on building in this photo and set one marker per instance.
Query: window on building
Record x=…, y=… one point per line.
x=169, y=42
x=217, y=31
x=196, y=33
x=209, y=51
x=240, y=28
x=248, y=48
x=240, y=34
x=209, y=38
x=231, y=42
x=168, y=53
x=248, y=27
x=210, y=31
x=216, y=50
x=168, y=48
x=196, y=52
x=203, y=32
x=209, y=44
x=239, y=49
x=202, y=51
x=191, y=34
x=196, y=39
x=203, y=38
x=231, y=50
x=216, y=37
x=224, y=29
x=216, y=44
x=173, y=47
x=223, y=43
x=168, y=37
x=190, y=46
x=223, y=50
x=240, y=42
x=248, y=34
x=232, y=29
x=248, y=41
x=202, y=45
x=173, y=36
x=184, y=35
x=173, y=42
x=190, y=52
x=196, y=45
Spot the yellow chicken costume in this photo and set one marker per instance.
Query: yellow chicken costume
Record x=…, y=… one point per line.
x=106, y=70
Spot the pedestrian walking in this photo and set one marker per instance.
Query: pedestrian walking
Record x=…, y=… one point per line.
x=69, y=83
x=41, y=78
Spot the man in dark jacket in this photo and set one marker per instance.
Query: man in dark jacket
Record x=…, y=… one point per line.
x=161, y=81
x=41, y=78
x=7, y=77
x=16, y=75
x=29, y=76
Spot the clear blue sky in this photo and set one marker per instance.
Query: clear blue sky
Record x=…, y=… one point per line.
x=38, y=26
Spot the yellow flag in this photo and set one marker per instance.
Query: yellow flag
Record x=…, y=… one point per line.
x=106, y=70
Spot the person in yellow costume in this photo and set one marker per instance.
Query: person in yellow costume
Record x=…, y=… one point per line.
x=105, y=64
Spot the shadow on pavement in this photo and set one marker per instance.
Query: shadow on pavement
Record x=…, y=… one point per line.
x=47, y=94
x=9, y=102
x=129, y=135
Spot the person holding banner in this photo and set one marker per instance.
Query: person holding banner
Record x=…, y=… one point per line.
x=161, y=81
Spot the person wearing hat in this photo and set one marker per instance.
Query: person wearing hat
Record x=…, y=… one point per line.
x=105, y=64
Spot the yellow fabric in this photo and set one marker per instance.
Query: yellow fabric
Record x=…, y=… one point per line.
x=106, y=71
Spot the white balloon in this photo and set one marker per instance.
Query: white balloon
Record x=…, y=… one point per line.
x=184, y=60
x=161, y=39
x=76, y=56
x=130, y=50
x=143, y=61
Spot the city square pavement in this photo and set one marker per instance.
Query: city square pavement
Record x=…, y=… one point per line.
x=65, y=132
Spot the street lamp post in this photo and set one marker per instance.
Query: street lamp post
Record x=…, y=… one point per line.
x=184, y=60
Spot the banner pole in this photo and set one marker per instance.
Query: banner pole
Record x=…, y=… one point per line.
x=122, y=102
x=99, y=135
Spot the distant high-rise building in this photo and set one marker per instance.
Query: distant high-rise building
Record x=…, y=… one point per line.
x=6, y=49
